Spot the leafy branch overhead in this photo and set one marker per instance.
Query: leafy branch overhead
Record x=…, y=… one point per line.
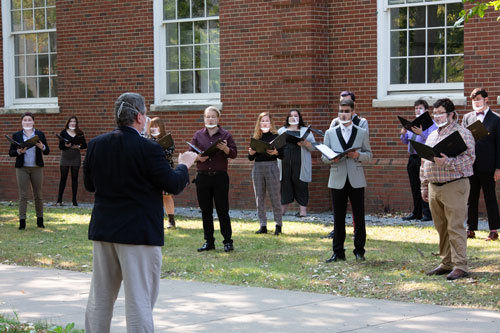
x=479, y=9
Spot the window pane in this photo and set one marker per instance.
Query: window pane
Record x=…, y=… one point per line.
x=53, y=86
x=201, y=56
x=453, y=14
x=15, y=4
x=214, y=56
x=398, y=43
x=43, y=84
x=455, y=41
x=435, y=16
x=213, y=31
x=186, y=33
x=198, y=8
x=19, y=44
x=398, y=71
x=31, y=65
x=43, y=64
x=53, y=64
x=40, y=19
x=201, y=82
x=39, y=3
x=43, y=43
x=187, y=82
x=30, y=43
x=186, y=57
x=213, y=7
x=27, y=4
x=172, y=37
x=200, y=32
x=51, y=18
x=19, y=63
x=417, y=70
x=16, y=21
x=183, y=9
x=396, y=2
x=455, y=69
x=417, y=42
x=417, y=17
x=215, y=81
x=169, y=9
x=53, y=42
x=172, y=58
x=51, y=2
x=27, y=20
x=435, y=44
x=20, y=88
x=32, y=87
x=398, y=18
x=435, y=70
x=172, y=82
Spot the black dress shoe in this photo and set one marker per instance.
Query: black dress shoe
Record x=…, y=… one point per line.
x=228, y=247
x=457, y=274
x=439, y=271
x=329, y=236
x=262, y=230
x=335, y=257
x=411, y=217
x=277, y=231
x=206, y=247
x=360, y=257
x=426, y=218
x=22, y=224
x=39, y=222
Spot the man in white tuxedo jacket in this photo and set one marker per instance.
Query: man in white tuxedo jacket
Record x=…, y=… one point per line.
x=347, y=179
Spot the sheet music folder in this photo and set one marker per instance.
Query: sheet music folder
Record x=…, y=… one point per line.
x=209, y=151
x=262, y=146
x=424, y=120
x=28, y=143
x=452, y=146
x=76, y=140
x=292, y=138
x=329, y=153
x=478, y=130
x=166, y=141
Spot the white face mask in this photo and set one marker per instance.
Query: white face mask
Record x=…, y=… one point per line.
x=440, y=117
x=155, y=131
x=211, y=126
x=293, y=120
x=265, y=129
x=72, y=128
x=419, y=112
x=477, y=105
x=27, y=128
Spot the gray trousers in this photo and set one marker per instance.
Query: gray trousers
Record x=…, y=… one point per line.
x=266, y=177
x=139, y=266
x=27, y=176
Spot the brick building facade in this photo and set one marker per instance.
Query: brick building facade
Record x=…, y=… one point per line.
x=273, y=55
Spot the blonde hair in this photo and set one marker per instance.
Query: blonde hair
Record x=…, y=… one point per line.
x=257, y=133
x=212, y=108
x=157, y=122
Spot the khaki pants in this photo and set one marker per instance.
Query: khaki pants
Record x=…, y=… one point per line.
x=448, y=205
x=27, y=176
x=139, y=266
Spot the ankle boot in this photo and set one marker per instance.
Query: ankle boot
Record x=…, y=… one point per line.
x=39, y=222
x=262, y=230
x=277, y=231
x=22, y=224
x=171, y=221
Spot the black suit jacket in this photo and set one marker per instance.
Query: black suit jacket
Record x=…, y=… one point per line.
x=18, y=137
x=488, y=148
x=128, y=174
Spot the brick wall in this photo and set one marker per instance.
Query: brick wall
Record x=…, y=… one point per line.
x=275, y=55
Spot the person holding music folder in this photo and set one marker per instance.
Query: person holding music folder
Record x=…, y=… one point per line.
x=212, y=180
x=445, y=186
x=71, y=141
x=358, y=121
x=296, y=165
x=155, y=130
x=29, y=167
x=347, y=180
x=487, y=165
x=265, y=173
x=420, y=208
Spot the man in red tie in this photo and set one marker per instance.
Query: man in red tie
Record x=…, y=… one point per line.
x=486, y=167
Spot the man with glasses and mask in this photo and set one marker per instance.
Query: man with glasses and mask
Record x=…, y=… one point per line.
x=347, y=180
x=445, y=186
x=486, y=167
x=128, y=173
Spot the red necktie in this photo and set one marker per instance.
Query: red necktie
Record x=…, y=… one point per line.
x=480, y=113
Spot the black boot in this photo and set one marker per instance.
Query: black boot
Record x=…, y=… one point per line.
x=277, y=231
x=171, y=221
x=22, y=224
x=262, y=230
x=39, y=222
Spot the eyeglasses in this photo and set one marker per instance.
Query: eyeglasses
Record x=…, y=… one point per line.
x=438, y=114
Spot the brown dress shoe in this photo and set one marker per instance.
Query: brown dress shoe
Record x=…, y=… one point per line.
x=457, y=274
x=471, y=234
x=493, y=236
x=439, y=271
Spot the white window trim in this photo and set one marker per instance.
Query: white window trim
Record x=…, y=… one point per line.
x=162, y=101
x=405, y=97
x=11, y=104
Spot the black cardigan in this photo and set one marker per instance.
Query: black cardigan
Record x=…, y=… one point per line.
x=18, y=136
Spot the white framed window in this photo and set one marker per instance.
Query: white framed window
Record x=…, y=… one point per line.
x=420, y=51
x=30, y=53
x=187, y=57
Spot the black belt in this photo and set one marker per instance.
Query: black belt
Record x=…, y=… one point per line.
x=450, y=181
x=211, y=173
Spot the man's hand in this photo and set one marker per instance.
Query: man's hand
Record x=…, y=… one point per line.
x=223, y=146
x=353, y=154
x=425, y=195
x=187, y=158
x=417, y=130
x=201, y=159
x=440, y=161
x=496, y=176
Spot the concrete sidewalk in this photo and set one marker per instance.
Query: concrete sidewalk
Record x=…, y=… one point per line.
x=59, y=297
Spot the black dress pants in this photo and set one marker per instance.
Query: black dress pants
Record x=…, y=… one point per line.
x=74, y=181
x=357, y=198
x=420, y=207
x=212, y=188
x=477, y=181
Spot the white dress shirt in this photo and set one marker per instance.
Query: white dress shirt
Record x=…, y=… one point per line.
x=346, y=132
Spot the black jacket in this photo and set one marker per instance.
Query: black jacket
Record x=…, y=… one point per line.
x=18, y=136
x=128, y=173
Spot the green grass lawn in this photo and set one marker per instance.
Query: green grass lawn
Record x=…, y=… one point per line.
x=397, y=257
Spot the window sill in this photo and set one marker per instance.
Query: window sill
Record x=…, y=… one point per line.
x=198, y=105
x=34, y=108
x=408, y=100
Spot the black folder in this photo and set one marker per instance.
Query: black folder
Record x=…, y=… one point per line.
x=292, y=138
x=209, y=151
x=478, y=130
x=166, y=141
x=28, y=143
x=76, y=140
x=423, y=120
x=330, y=154
x=452, y=146
x=262, y=146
